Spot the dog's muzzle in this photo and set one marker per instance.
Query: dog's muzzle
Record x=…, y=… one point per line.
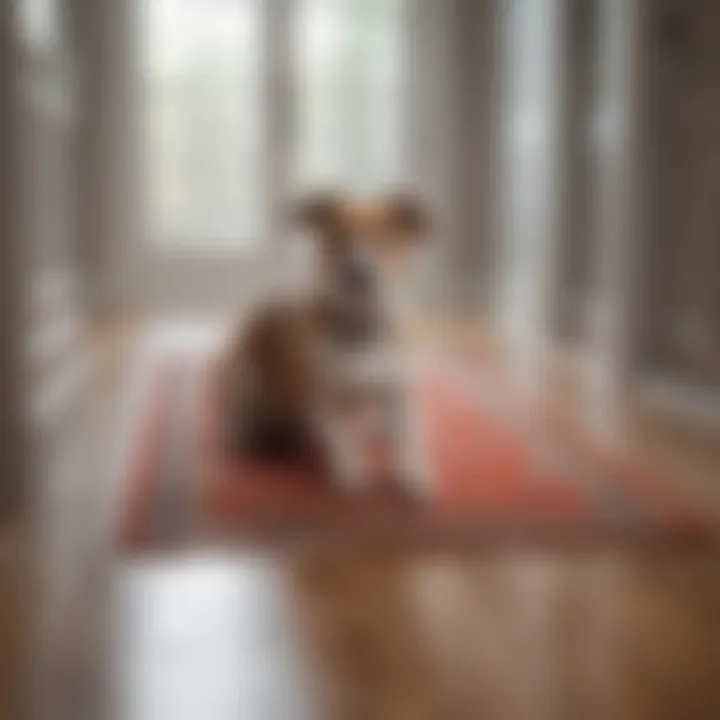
x=359, y=277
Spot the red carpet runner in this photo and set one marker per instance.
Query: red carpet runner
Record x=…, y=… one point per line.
x=496, y=476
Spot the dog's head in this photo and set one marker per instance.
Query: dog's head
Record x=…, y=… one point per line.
x=365, y=246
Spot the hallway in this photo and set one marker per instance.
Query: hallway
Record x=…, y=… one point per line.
x=152, y=157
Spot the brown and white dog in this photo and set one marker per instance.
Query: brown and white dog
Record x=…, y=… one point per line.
x=292, y=371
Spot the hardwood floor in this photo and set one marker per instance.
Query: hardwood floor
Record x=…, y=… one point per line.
x=600, y=633
x=377, y=635
x=512, y=636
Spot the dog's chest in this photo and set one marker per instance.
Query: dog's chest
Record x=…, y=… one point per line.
x=360, y=366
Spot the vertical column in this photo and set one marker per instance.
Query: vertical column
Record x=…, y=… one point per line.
x=532, y=179
x=432, y=154
x=13, y=433
x=613, y=297
x=15, y=476
x=477, y=152
x=108, y=39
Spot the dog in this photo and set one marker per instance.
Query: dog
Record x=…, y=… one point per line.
x=299, y=366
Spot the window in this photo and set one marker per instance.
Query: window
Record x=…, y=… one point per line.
x=207, y=124
x=204, y=120
x=348, y=92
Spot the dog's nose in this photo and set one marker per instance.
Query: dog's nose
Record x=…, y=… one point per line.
x=359, y=276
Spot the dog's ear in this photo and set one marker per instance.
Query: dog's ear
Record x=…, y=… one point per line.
x=408, y=215
x=320, y=212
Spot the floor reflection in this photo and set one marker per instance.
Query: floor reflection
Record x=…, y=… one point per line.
x=206, y=637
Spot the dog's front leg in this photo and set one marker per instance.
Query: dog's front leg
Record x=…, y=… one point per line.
x=411, y=461
x=342, y=455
